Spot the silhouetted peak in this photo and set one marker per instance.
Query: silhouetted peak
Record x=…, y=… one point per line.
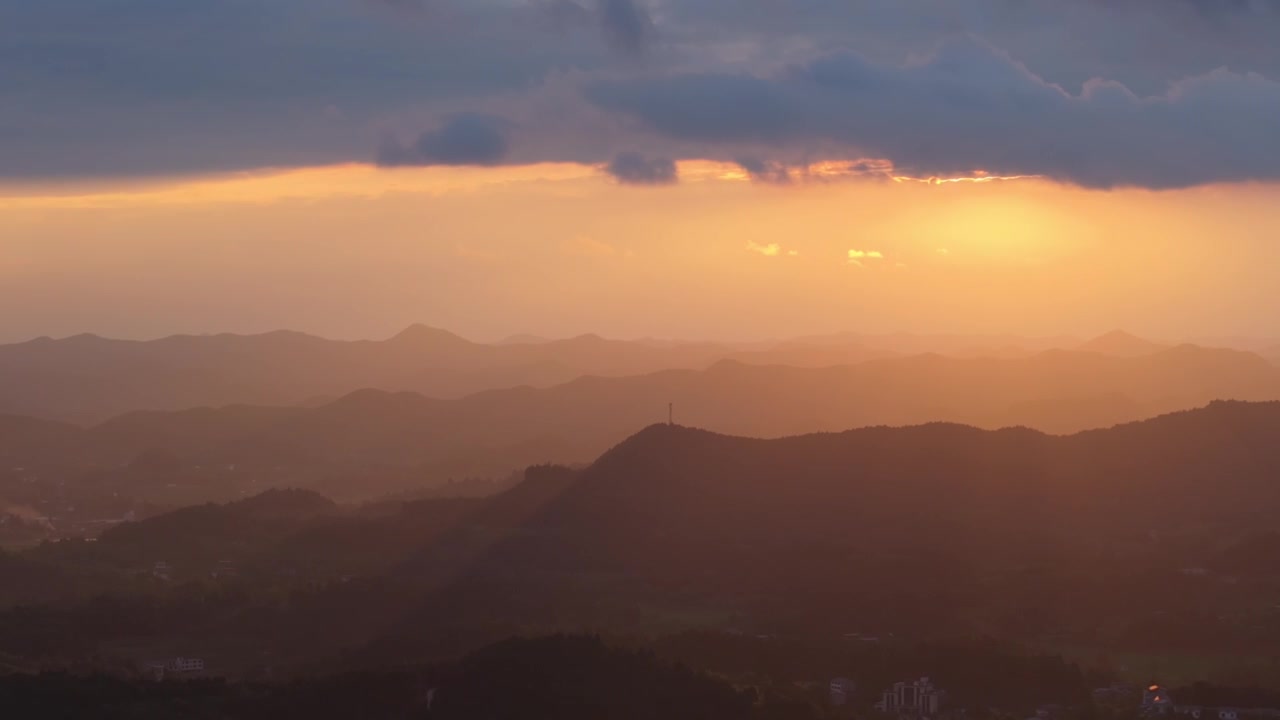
x=1119, y=342
x=285, y=501
x=656, y=441
x=373, y=399
x=37, y=341
x=419, y=334
x=730, y=365
x=83, y=339
x=586, y=340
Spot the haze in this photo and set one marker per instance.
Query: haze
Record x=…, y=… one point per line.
x=640, y=359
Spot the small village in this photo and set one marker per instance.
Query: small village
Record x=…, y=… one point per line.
x=922, y=699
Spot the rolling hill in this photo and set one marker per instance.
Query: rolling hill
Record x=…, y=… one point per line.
x=921, y=532
x=929, y=529
x=371, y=442
x=88, y=379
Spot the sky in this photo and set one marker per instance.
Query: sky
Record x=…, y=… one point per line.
x=727, y=169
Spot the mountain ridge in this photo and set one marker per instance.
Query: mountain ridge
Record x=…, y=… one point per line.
x=87, y=379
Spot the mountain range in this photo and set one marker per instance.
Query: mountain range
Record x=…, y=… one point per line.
x=495, y=431
x=1146, y=536
x=88, y=379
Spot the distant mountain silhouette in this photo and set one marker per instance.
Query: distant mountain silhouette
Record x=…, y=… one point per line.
x=87, y=379
x=493, y=432
x=953, y=345
x=1122, y=344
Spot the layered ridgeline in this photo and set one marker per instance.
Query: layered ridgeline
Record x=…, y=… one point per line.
x=88, y=379
x=372, y=442
x=1146, y=536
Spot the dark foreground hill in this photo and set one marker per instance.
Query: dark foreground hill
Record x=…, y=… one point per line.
x=936, y=528
x=1140, y=537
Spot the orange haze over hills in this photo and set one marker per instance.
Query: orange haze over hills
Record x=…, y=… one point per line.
x=560, y=250
x=89, y=379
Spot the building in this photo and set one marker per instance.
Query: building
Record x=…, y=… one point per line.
x=913, y=699
x=184, y=665
x=1200, y=712
x=840, y=692
x=160, y=669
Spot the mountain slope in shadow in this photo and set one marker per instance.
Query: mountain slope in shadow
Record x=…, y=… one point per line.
x=936, y=527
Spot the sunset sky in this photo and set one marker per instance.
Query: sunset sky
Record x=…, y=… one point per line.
x=726, y=169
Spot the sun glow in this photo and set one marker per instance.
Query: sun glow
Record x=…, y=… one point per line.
x=363, y=180
x=978, y=176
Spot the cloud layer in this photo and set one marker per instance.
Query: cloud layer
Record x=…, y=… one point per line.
x=461, y=140
x=633, y=168
x=967, y=108
x=1150, y=93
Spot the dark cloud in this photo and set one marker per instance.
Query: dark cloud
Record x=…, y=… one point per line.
x=633, y=168
x=1219, y=8
x=713, y=108
x=462, y=140
x=773, y=173
x=137, y=87
x=626, y=24
x=972, y=108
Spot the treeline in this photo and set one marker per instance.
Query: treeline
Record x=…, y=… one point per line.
x=560, y=678
x=976, y=674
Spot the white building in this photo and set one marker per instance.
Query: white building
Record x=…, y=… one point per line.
x=184, y=665
x=159, y=669
x=840, y=691
x=918, y=698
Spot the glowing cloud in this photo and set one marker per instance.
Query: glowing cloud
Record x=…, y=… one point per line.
x=857, y=256
x=978, y=176
x=770, y=250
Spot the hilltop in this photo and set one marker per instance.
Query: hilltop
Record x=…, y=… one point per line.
x=930, y=531
x=88, y=379
x=373, y=442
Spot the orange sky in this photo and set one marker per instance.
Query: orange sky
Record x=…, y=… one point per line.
x=355, y=251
